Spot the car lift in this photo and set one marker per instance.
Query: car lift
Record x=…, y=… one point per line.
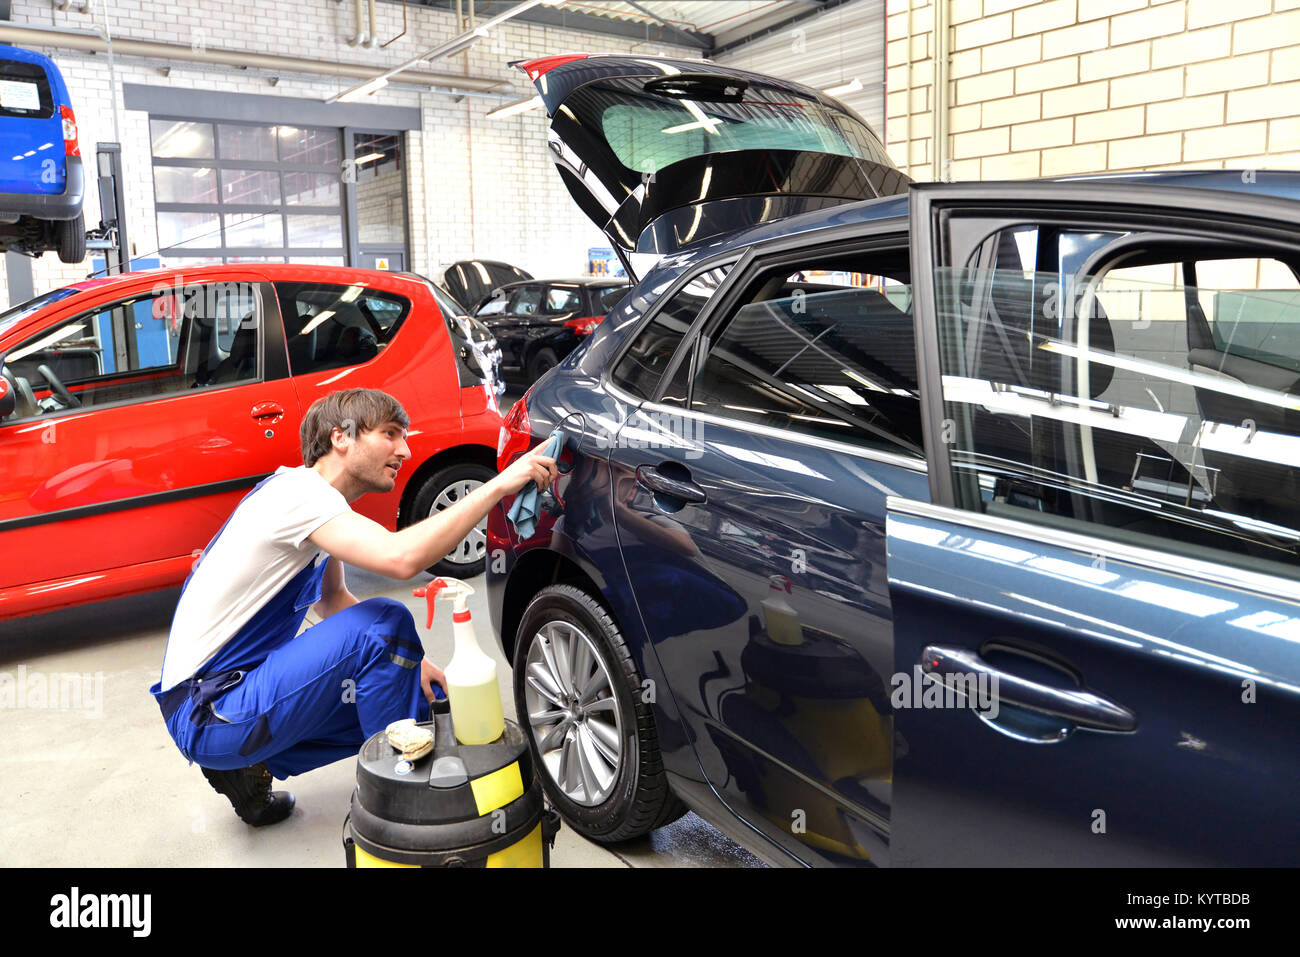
x=109, y=237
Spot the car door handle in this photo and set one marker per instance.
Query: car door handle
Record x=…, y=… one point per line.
x=267, y=412
x=1082, y=708
x=683, y=491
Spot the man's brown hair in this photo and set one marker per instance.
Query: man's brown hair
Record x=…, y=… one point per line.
x=352, y=410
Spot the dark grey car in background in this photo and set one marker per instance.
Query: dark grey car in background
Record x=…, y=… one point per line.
x=538, y=323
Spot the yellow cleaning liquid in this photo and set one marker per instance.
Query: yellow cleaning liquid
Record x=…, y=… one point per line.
x=472, y=689
x=476, y=710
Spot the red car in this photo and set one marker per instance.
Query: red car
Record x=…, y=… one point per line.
x=136, y=411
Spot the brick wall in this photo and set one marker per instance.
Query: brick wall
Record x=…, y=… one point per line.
x=1058, y=87
x=477, y=187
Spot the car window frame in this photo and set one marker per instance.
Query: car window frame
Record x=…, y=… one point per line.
x=1223, y=217
x=699, y=338
x=733, y=260
x=266, y=341
x=383, y=337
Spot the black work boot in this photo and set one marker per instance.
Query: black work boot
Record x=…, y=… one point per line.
x=249, y=791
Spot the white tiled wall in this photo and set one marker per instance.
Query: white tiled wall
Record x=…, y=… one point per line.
x=1057, y=87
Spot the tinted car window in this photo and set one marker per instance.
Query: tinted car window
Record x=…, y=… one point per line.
x=825, y=351
x=1130, y=398
x=526, y=301
x=330, y=326
x=25, y=91
x=646, y=361
x=649, y=132
x=563, y=299
x=609, y=297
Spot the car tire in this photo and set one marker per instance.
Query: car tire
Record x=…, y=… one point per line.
x=602, y=798
x=443, y=488
x=541, y=364
x=70, y=239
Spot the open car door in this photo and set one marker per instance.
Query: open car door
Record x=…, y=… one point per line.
x=1097, y=631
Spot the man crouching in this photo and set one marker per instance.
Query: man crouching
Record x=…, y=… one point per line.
x=244, y=695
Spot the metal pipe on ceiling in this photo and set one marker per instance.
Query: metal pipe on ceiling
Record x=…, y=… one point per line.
x=359, y=36
x=85, y=41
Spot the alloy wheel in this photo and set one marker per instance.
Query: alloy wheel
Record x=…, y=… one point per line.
x=573, y=713
x=473, y=546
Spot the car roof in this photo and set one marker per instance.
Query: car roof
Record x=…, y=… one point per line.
x=580, y=281
x=24, y=56
x=281, y=272
x=1282, y=184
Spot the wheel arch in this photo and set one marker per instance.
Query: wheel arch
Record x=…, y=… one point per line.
x=536, y=569
x=456, y=454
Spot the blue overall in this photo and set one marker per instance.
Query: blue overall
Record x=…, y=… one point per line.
x=298, y=703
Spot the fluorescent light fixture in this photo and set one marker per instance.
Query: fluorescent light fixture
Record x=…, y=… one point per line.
x=853, y=86
x=843, y=393
x=202, y=171
x=40, y=344
x=351, y=293
x=368, y=158
x=365, y=89
x=511, y=109
x=316, y=321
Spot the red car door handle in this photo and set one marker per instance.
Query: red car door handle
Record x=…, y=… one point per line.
x=268, y=412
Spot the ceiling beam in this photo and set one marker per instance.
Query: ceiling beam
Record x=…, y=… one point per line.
x=702, y=41
x=733, y=39
x=591, y=23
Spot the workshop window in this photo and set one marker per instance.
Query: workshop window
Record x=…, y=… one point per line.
x=246, y=192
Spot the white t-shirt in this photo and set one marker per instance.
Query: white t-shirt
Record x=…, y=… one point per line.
x=263, y=546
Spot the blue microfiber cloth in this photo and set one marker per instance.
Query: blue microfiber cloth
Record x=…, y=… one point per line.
x=523, y=513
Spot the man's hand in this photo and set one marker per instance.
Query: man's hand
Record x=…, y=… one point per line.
x=531, y=466
x=431, y=674
x=363, y=542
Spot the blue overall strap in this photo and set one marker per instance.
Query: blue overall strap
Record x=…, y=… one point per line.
x=208, y=547
x=273, y=624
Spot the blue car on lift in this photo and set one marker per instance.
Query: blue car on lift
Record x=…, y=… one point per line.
x=42, y=182
x=904, y=524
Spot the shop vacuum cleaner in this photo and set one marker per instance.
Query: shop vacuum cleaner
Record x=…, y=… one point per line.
x=457, y=791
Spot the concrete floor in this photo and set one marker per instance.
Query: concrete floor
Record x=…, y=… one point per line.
x=97, y=781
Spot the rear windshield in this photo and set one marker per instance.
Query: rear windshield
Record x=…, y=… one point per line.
x=650, y=131
x=25, y=91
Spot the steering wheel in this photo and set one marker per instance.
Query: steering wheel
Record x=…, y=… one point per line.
x=58, y=388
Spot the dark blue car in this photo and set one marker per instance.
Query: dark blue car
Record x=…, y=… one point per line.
x=911, y=525
x=41, y=177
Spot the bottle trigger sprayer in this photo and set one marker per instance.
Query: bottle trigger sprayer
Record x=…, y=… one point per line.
x=472, y=688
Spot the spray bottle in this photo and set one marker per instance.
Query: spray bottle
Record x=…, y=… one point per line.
x=472, y=675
